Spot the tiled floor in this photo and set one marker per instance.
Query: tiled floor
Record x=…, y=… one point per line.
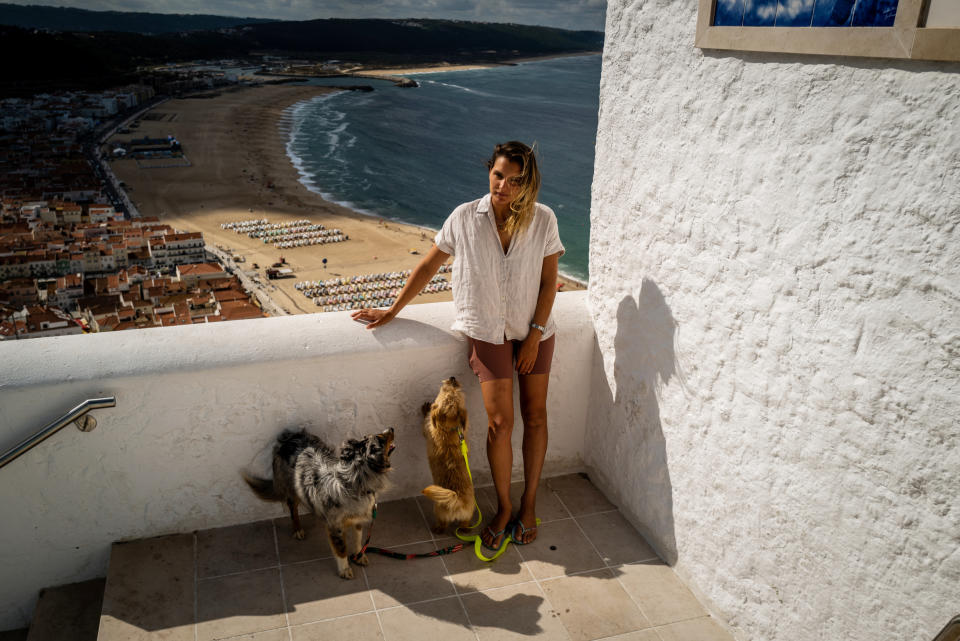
x=589, y=575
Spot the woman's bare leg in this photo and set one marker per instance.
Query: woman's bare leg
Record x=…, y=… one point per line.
x=533, y=410
x=498, y=401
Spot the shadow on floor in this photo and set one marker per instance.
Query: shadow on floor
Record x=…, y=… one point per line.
x=588, y=575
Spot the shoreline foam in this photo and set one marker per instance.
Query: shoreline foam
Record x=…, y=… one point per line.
x=577, y=280
x=297, y=162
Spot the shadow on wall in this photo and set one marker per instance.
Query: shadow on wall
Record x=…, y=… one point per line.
x=629, y=456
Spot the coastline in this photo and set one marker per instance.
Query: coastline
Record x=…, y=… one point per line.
x=569, y=281
x=444, y=67
x=240, y=170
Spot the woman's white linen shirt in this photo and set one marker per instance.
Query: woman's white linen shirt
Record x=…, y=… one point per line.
x=495, y=294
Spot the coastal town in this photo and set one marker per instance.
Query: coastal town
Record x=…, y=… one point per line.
x=132, y=207
x=75, y=254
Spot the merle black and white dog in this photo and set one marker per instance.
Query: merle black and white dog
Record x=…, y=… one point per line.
x=340, y=488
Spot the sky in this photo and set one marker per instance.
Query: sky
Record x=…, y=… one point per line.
x=566, y=14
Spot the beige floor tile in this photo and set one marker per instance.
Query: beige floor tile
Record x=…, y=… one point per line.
x=399, y=523
x=68, y=612
x=239, y=604
x=639, y=635
x=150, y=593
x=487, y=500
x=560, y=549
x=443, y=619
x=549, y=507
x=150, y=587
x=615, y=539
x=427, y=506
x=702, y=629
x=239, y=548
x=579, y=495
x=280, y=634
x=593, y=605
x=470, y=574
x=362, y=627
x=515, y=612
x=314, y=546
x=658, y=591
x=285, y=526
x=396, y=582
x=112, y=629
x=315, y=592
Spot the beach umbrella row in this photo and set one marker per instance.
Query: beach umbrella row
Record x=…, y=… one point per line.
x=287, y=225
x=293, y=231
x=386, y=298
x=241, y=226
x=345, y=302
x=347, y=280
x=354, y=288
x=352, y=294
x=305, y=242
x=243, y=223
x=367, y=278
x=282, y=235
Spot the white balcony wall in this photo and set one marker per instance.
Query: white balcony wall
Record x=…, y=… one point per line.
x=775, y=284
x=197, y=404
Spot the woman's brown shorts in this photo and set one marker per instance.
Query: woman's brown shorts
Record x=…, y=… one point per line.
x=490, y=361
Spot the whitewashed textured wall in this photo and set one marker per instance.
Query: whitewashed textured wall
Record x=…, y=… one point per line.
x=775, y=284
x=196, y=404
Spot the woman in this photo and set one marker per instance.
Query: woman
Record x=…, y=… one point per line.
x=506, y=250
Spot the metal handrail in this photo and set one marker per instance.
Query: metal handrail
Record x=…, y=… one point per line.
x=76, y=414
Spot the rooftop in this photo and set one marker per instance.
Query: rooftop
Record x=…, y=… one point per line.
x=588, y=576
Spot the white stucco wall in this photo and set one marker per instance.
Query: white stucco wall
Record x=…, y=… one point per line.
x=196, y=404
x=775, y=284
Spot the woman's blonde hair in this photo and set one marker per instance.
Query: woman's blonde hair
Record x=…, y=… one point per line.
x=523, y=205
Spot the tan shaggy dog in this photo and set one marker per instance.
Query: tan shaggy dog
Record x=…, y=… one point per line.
x=444, y=425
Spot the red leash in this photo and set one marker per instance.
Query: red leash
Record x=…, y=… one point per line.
x=398, y=555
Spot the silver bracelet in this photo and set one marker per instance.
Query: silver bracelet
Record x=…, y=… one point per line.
x=543, y=330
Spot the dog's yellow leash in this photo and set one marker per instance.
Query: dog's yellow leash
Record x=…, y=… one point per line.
x=467, y=538
x=448, y=550
x=475, y=538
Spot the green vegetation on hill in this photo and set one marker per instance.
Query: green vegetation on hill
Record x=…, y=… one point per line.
x=418, y=37
x=71, y=19
x=39, y=60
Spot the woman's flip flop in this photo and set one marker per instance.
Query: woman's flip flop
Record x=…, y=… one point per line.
x=493, y=537
x=523, y=532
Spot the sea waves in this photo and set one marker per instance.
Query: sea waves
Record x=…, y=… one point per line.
x=414, y=154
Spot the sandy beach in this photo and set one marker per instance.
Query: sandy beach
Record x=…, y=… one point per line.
x=239, y=170
x=403, y=71
x=444, y=66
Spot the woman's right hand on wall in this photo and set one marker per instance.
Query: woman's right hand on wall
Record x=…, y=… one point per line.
x=373, y=317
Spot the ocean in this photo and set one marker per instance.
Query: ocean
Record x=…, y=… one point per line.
x=412, y=155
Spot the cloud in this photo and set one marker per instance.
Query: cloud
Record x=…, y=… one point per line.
x=566, y=14
x=763, y=9
x=793, y=8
